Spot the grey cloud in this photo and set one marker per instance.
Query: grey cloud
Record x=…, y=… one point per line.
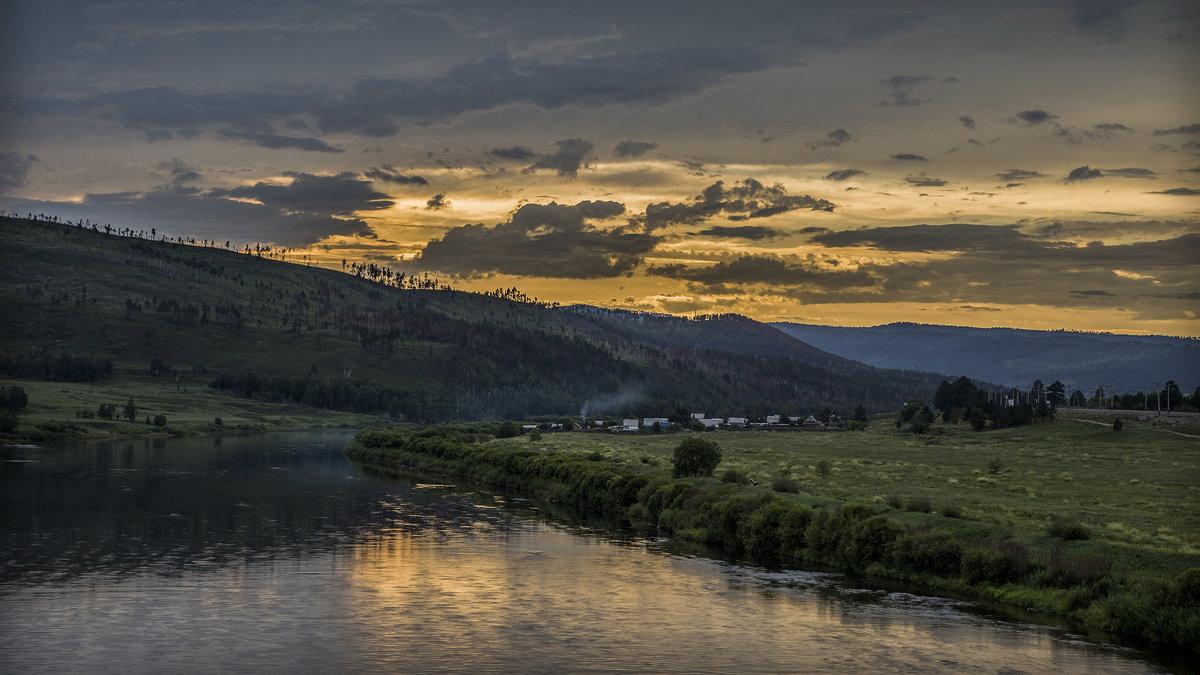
x=629, y=148
x=1130, y=173
x=571, y=156
x=180, y=172
x=280, y=142
x=389, y=174
x=376, y=107
x=338, y=195
x=1102, y=18
x=967, y=121
x=752, y=232
x=923, y=180
x=437, y=202
x=908, y=157
x=1033, y=117
x=1178, y=192
x=1187, y=129
x=1082, y=173
x=746, y=200
x=14, y=169
x=927, y=238
x=206, y=214
x=900, y=90
x=844, y=174
x=765, y=270
x=1092, y=294
x=1018, y=174
x=542, y=240
x=1110, y=127
x=517, y=153
x=832, y=140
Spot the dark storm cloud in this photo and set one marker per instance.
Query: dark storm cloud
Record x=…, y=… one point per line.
x=908, y=157
x=280, y=142
x=376, y=107
x=1033, y=117
x=1092, y=294
x=923, y=180
x=437, y=202
x=337, y=195
x=832, y=140
x=746, y=200
x=844, y=174
x=571, y=156
x=1018, y=174
x=388, y=174
x=542, y=240
x=752, y=232
x=14, y=168
x=769, y=270
x=517, y=153
x=1187, y=129
x=1177, y=192
x=967, y=121
x=632, y=148
x=1081, y=173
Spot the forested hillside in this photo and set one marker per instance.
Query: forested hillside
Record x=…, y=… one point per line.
x=250, y=323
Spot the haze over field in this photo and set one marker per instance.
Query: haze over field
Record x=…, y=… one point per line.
x=1035, y=165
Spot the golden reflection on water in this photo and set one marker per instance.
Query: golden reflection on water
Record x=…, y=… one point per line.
x=542, y=599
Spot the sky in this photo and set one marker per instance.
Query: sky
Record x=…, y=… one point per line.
x=1027, y=164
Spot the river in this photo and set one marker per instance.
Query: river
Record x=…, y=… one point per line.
x=275, y=554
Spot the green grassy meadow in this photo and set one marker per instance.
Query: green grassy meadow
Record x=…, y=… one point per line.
x=189, y=406
x=1139, y=487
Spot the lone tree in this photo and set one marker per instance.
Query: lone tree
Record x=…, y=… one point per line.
x=696, y=456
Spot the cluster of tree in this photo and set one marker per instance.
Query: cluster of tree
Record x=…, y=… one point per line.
x=963, y=400
x=416, y=405
x=41, y=364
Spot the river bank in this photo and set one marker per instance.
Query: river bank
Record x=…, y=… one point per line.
x=1145, y=592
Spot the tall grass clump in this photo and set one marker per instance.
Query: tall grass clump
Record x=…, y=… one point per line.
x=1068, y=527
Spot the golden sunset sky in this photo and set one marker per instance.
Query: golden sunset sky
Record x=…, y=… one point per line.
x=1031, y=164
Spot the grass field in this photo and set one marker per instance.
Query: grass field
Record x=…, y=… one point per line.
x=1139, y=487
x=189, y=407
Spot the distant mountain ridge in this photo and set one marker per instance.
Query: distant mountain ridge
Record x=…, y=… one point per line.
x=1015, y=356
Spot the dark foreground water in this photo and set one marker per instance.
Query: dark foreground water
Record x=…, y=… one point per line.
x=275, y=554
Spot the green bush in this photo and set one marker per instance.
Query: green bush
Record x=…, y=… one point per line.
x=785, y=484
x=869, y=541
x=950, y=510
x=160, y=420
x=696, y=456
x=1067, y=527
x=508, y=430
x=927, y=553
x=919, y=504
x=1000, y=564
x=736, y=477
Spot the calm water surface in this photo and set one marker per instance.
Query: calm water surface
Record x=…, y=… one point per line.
x=275, y=554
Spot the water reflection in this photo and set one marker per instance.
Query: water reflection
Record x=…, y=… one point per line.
x=274, y=553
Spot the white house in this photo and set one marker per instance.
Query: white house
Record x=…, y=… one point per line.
x=737, y=421
x=711, y=422
x=697, y=416
x=773, y=419
x=629, y=422
x=662, y=422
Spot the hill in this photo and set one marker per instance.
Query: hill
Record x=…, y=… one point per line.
x=251, y=324
x=1016, y=357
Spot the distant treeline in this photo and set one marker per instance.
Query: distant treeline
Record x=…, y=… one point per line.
x=62, y=367
x=353, y=395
